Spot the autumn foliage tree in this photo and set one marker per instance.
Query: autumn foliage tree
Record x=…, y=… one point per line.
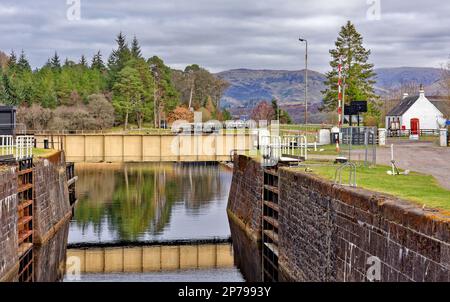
x=263, y=111
x=180, y=113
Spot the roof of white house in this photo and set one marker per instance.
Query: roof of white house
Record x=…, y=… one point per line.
x=403, y=106
x=443, y=106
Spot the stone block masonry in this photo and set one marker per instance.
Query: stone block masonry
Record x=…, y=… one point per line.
x=334, y=233
x=245, y=199
x=50, y=258
x=51, y=210
x=51, y=205
x=8, y=224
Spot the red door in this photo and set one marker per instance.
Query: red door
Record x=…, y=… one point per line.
x=415, y=126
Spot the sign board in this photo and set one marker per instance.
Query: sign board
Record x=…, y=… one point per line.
x=448, y=123
x=349, y=110
x=359, y=106
x=355, y=108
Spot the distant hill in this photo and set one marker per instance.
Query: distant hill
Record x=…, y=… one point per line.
x=393, y=78
x=250, y=86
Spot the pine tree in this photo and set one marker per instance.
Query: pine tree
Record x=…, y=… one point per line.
x=97, y=62
x=55, y=63
x=118, y=59
x=281, y=114
x=136, y=49
x=127, y=92
x=23, y=64
x=83, y=61
x=12, y=60
x=356, y=70
x=9, y=93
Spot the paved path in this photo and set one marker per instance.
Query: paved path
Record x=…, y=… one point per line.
x=423, y=157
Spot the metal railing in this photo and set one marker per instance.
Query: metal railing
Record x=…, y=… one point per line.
x=7, y=144
x=295, y=146
x=20, y=146
x=351, y=177
x=273, y=148
x=408, y=132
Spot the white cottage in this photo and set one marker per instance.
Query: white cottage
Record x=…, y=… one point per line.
x=414, y=113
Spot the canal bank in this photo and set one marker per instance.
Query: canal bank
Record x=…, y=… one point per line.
x=35, y=206
x=318, y=231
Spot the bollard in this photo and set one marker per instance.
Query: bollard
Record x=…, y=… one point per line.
x=443, y=137
x=382, y=137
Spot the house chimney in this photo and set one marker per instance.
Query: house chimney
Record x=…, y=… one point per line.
x=421, y=91
x=405, y=95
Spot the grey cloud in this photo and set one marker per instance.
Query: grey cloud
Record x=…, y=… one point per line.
x=229, y=33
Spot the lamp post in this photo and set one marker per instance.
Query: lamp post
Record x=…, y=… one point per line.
x=306, y=79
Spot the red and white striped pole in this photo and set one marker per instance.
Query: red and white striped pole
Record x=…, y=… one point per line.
x=339, y=110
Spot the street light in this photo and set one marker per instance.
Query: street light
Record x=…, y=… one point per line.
x=306, y=79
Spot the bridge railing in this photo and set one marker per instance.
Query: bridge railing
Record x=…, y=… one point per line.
x=273, y=148
x=20, y=147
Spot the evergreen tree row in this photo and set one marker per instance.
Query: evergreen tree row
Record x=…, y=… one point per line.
x=141, y=90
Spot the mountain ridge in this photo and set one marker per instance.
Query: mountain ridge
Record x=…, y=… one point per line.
x=248, y=86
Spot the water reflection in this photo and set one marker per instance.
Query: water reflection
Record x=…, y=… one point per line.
x=139, y=202
x=154, y=258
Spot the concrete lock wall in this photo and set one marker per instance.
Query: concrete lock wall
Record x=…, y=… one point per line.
x=335, y=233
x=8, y=224
x=147, y=148
x=51, y=203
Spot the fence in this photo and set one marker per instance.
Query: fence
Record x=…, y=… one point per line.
x=20, y=147
x=275, y=148
x=359, y=143
x=408, y=132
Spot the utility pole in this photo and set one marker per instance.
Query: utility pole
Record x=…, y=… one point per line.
x=339, y=110
x=306, y=79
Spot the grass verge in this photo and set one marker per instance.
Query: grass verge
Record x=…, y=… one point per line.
x=416, y=187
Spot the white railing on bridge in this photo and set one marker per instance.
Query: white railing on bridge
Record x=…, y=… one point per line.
x=20, y=146
x=274, y=148
x=294, y=146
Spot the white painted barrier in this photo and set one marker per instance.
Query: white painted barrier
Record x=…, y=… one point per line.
x=443, y=137
x=20, y=147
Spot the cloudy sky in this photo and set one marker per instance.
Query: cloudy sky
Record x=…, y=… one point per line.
x=226, y=34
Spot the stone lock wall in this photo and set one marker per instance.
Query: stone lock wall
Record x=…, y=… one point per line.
x=245, y=199
x=333, y=233
x=50, y=258
x=8, y=223
x=51, y=205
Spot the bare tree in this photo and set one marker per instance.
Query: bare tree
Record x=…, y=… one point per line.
x=445, y=80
